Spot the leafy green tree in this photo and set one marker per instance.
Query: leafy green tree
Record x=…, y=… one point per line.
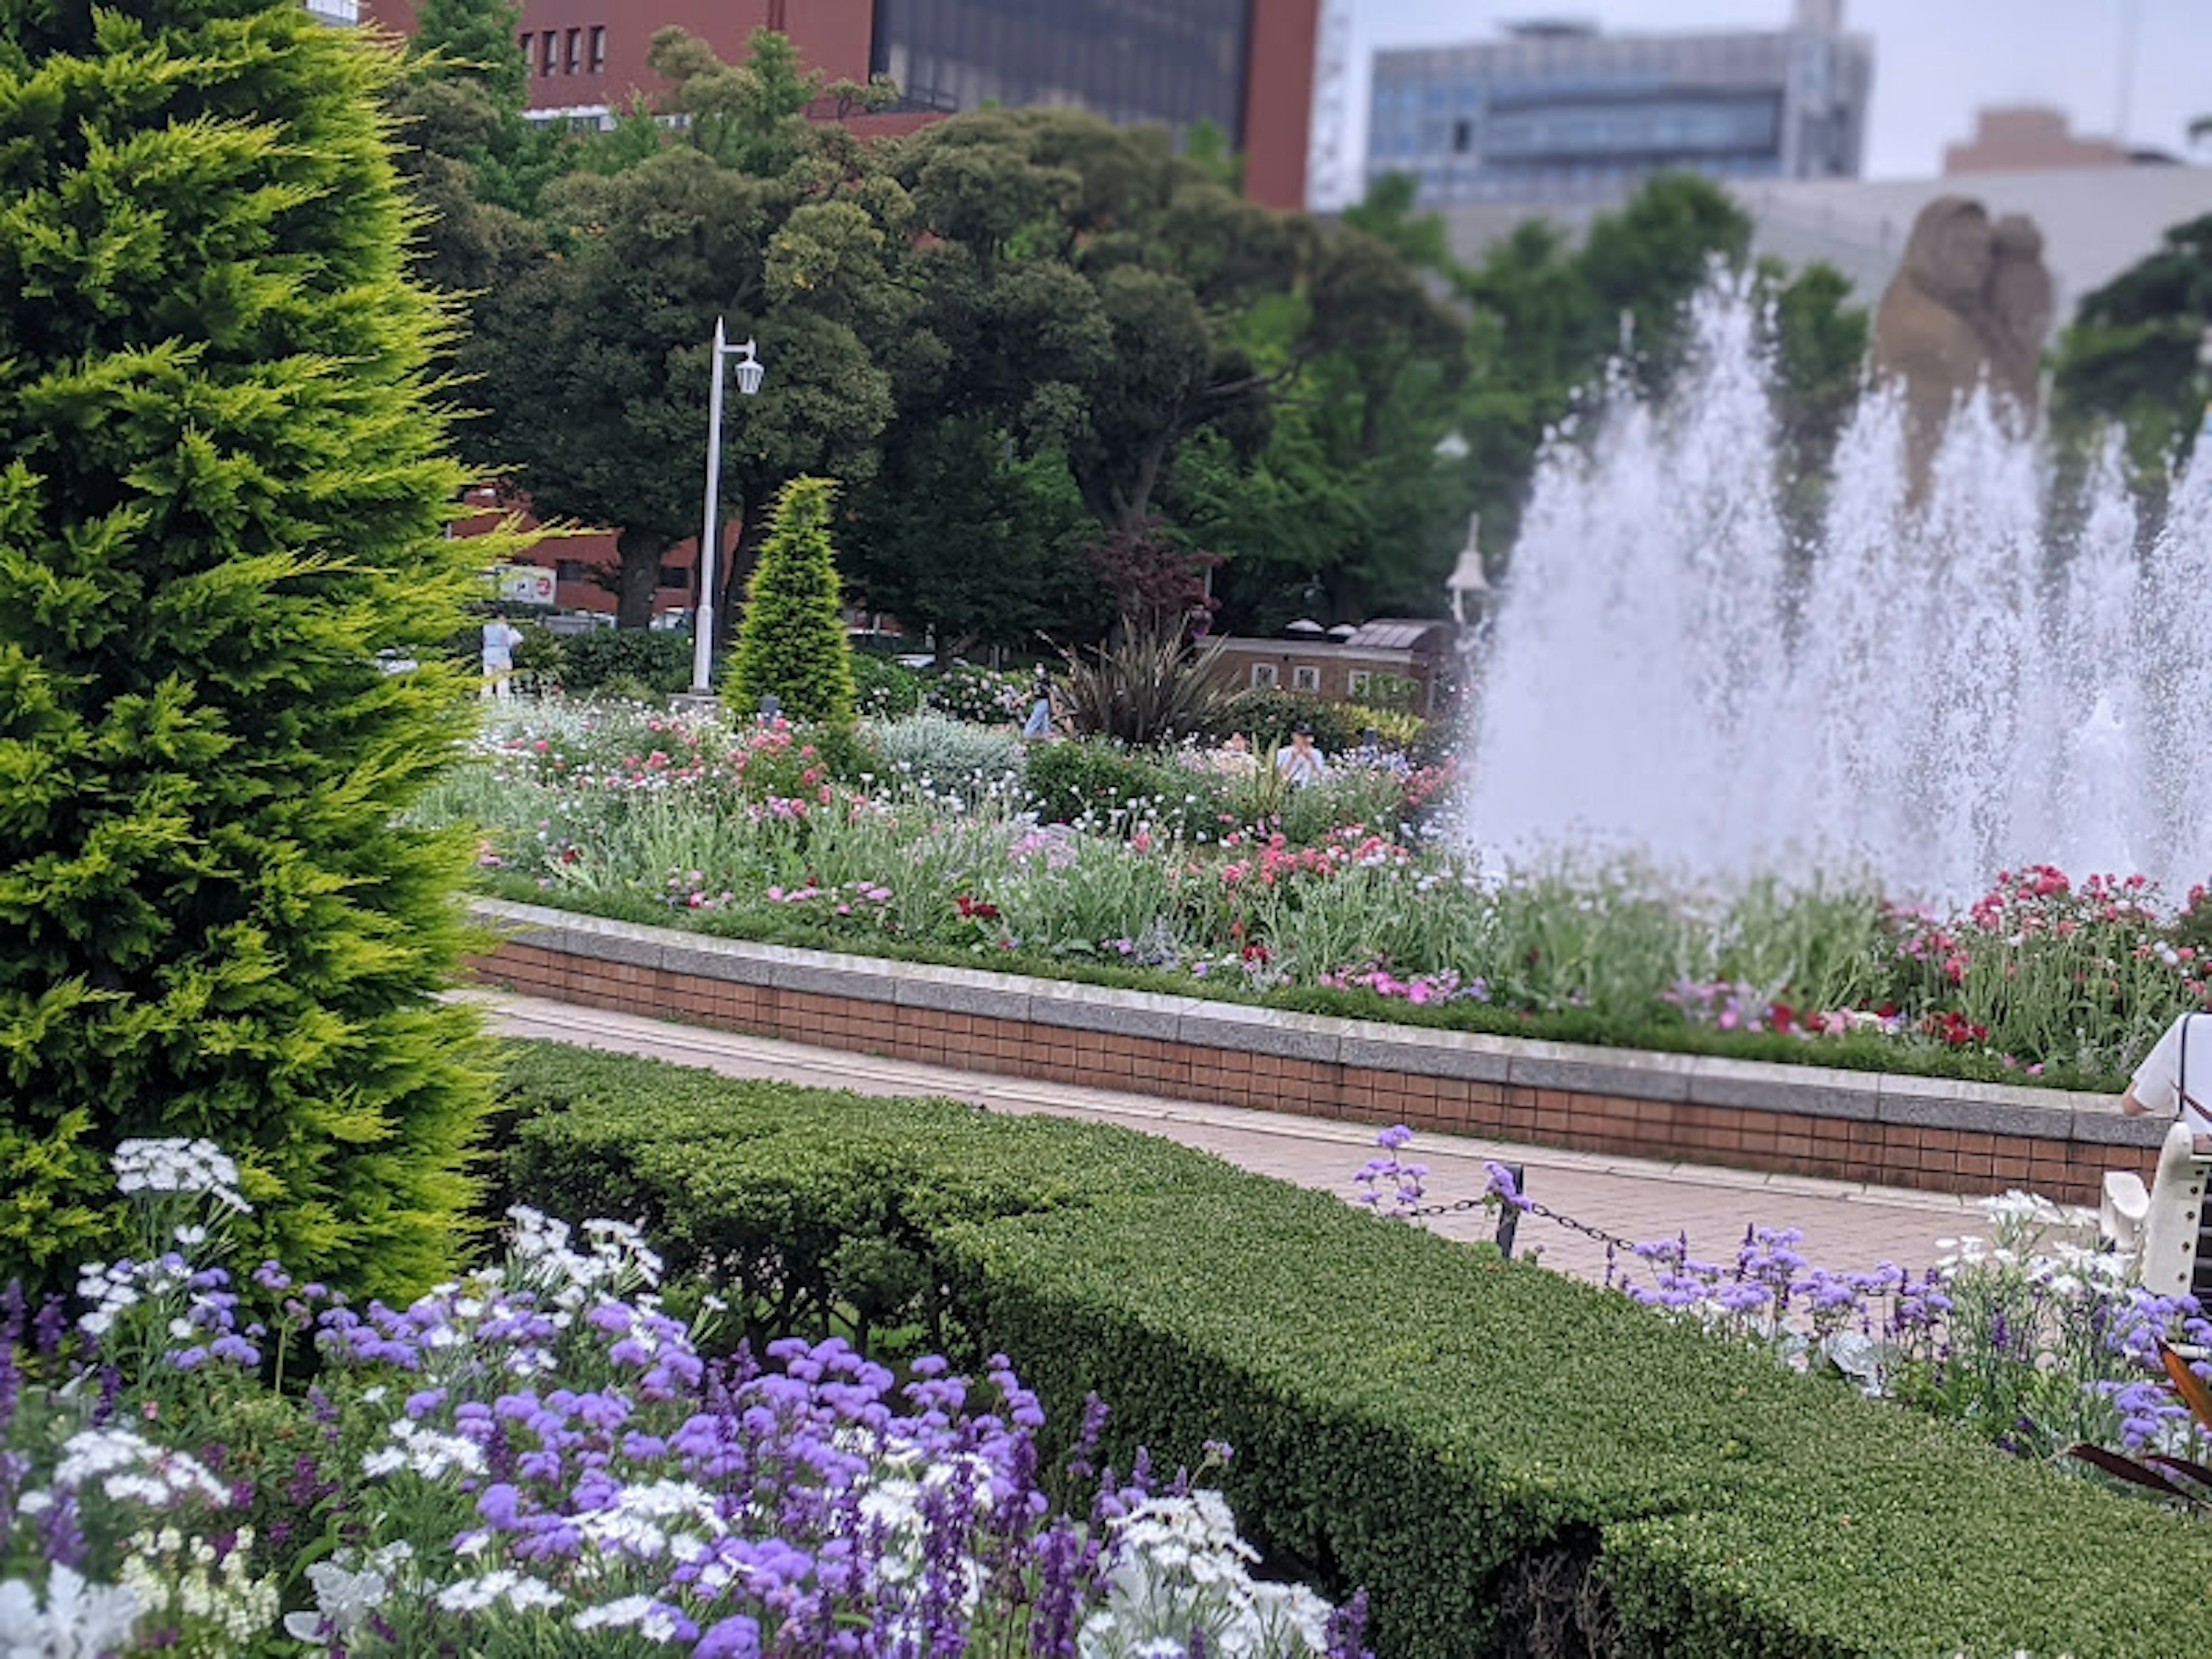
x=593, y=366
x=1088, y=283
x=225, y=493
x=1644, y=264
x=1346, y=508
x=2130, y=355
x=467, y=245
x=793, y=643
x=1820, y=358
x=474, y=40
x=965, y=538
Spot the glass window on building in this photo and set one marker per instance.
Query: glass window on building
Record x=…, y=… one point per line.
x=1131, y=60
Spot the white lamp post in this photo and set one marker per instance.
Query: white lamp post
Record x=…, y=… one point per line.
x=710, y=538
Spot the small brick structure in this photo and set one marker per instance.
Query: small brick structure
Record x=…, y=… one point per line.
x=1883, y=1128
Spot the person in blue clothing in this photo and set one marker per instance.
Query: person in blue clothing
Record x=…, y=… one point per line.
x=1038, y=726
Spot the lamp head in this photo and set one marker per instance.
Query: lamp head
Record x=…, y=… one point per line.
x=748, y=370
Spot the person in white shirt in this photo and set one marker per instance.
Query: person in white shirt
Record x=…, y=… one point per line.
x=500, y=638
x=2175, y=1078
x=1300, y=762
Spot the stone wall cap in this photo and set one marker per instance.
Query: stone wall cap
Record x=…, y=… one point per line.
x=1904, y=1086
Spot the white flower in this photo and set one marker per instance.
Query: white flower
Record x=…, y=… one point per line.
x=178, y=1165
x=426, y=1451
x=622, y=1614
x=82, y=1620
x=127, y=1467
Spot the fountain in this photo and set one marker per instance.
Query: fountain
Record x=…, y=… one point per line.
x=1931, y=694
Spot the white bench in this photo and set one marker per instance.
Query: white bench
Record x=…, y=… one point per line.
x=2164, y=1224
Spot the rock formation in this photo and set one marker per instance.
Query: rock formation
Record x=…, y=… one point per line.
x=1971, y=302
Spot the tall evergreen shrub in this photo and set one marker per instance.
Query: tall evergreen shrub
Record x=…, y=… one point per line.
x=792, y=640
x=222, y=491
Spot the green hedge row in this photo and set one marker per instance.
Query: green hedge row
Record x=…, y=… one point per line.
x=1512, y=1462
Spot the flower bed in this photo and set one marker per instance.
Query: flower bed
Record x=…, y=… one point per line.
x=1343, y=900
x=543, y=1458
x=1480, y=1443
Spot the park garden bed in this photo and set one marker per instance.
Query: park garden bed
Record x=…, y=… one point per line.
x=938, y=840
x=1507, y=1461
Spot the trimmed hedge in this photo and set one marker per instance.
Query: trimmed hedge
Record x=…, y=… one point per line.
x=1510, y=1461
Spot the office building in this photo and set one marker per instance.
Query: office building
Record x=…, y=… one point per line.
x=1244, y=65
x=1558, y=112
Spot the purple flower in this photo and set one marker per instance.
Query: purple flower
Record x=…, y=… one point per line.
x=736, y=1638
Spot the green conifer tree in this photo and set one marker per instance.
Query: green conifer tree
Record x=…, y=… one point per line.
x=223, y=488
x=792, y=640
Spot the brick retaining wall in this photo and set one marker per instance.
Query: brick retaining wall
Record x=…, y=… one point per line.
x=1849, y=1126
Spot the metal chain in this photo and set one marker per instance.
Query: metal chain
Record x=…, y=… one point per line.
x=1527, y=1207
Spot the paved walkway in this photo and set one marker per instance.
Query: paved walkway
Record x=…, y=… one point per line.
x=1845, y=1226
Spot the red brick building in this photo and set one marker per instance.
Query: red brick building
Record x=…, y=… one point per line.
x=1247, y=65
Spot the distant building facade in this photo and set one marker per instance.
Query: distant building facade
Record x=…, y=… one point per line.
x=1559, y=113
x=1245, y=65
x=1415, y=652
x=2027, y=137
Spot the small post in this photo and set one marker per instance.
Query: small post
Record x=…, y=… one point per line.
x=1508, y=1219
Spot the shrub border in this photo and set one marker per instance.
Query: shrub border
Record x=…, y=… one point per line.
x=1485, y=1445
x=1887, y=1128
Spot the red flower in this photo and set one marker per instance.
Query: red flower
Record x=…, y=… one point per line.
x=975, y=909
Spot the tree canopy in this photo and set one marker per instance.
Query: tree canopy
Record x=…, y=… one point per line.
x=1021, y=339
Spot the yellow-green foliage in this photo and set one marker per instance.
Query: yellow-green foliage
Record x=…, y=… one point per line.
x=223, y=492
x=792, y=640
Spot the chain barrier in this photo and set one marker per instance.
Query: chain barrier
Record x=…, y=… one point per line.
x=1510, y=1214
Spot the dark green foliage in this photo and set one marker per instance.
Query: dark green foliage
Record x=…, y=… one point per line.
x=660, y=659
x=2130, y=354
x=475, y=40
x=962, y=535
x=1088, y=777
x=223, y=495
x=791, y=643
x=1461, y=1435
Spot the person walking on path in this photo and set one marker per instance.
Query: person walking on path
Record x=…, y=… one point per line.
x=1038, y=726
x=500, y=638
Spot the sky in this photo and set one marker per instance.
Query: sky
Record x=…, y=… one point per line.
x=1936, y=61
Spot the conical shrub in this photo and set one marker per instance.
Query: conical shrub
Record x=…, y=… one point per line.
x=791, y=643
x=223, y=494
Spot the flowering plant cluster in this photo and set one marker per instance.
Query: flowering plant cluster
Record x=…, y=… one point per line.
x=541, y=1458
x=1327, y=887
x=2030, y=1335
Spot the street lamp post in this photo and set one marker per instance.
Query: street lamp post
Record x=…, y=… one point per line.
x=710, y=538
